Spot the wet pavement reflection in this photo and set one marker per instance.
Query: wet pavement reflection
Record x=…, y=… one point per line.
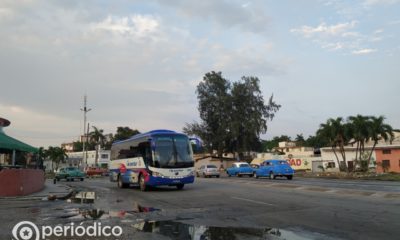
x=179, y=230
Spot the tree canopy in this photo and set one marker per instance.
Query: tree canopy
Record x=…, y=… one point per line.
x=124, y=133
x=233, y=114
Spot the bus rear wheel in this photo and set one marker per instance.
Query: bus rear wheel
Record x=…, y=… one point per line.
x=142, y=183
x=180, y=186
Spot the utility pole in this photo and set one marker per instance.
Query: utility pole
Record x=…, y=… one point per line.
x=85, y=110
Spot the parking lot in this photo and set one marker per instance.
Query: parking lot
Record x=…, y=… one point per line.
x=261, y=208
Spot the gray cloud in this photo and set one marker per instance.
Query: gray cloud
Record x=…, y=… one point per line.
x=138, y=69
x=228, y=14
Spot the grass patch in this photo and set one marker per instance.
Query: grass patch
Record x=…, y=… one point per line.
x=356, y=175
x=384, y=177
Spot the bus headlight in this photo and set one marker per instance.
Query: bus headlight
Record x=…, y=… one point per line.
x=157, y=174
x=191, y=173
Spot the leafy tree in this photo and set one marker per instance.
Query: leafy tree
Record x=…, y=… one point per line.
x=249, y=114
x=232, y=115
x=124, y=133
x=78, y=146
x=316, y=142
x=214, y=108
x=268, y=145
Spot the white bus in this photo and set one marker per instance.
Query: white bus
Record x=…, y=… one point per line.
x=155, y=158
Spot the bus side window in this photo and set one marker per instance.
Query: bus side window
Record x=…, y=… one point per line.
x=145, y=151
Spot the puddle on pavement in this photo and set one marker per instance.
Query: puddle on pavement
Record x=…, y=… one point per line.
x=98, y=214
x=179, y=230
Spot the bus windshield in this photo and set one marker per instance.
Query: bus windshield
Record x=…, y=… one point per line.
x=172, y=152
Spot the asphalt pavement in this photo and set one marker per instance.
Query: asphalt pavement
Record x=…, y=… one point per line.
x=227, y=208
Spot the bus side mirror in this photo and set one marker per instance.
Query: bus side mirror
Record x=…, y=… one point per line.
x=196, y=143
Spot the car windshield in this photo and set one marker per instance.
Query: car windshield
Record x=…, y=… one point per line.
x=211, y=166
x=71, y=169
x=172, y=152
x=244, y=165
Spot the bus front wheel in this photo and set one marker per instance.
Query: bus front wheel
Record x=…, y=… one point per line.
x=121, y=184
x=180, y=186
x=142, y=183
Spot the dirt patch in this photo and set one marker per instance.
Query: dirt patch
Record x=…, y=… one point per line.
x=316, y=189
x=392, y=195
x=285, y=186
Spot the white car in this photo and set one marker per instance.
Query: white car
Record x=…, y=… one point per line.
x=208, y=170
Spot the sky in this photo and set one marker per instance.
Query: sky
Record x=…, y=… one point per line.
x=139, y=62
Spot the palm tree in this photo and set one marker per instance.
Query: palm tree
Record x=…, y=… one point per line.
x=97, y=137
x=379, y=130
x=300, y=139
x=359, y=127
x=336, y=133
x=40, y=156
x=56, y=155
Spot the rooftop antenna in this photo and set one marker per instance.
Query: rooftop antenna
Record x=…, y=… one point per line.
x=85, y=110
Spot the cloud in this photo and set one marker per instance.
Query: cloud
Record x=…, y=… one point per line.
x=135, y=25
x=369, y=3
x=340, y=37
x=36, y=128
x=227, y=14
x=138, y=69
x=324, y=29
x=363, y=51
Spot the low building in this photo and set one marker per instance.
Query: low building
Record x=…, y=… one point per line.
x=75, y=159
x=388, y=158
x=299, y=157
x=19, y=175
x=221, y=163
x=327, y=154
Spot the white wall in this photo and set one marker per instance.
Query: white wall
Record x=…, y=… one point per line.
x=327, y=154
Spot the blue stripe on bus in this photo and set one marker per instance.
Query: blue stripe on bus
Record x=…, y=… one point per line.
x=158, y=181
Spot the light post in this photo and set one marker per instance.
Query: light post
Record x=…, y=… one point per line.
x=85, y=110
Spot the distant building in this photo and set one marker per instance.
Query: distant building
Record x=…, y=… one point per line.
x=221, y=163
x=69, y=147
x=75, y=159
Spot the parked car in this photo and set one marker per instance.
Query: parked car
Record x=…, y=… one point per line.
x=93, y=171
x=239, y=169
x=70, y=173
x=208, y=171
x=273, y=169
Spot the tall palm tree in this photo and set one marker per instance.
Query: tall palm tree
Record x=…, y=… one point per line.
x=359, y=127
x=336, y=132
x=98, y=139
x=378, y=130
